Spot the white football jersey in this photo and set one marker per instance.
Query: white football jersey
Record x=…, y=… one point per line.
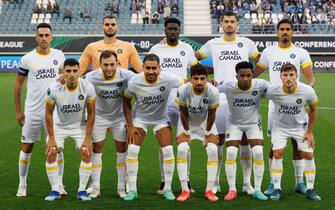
x=109, y=92
x=244, y=104
x=151, y=99
x=41, y=71
x=274, y=57
x=70, y=104
x=226, y=55
x=290, y=108
x=197, y=105
x=175, y=59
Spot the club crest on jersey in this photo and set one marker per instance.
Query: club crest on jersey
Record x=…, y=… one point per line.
x=254, y=93
x=182, y=53
x=23, y=137
x=240, y=44
x=48, y=91
x=227, y=135
x=119, y=51
x=292, y=56
x=81, y=97
x=119, y=84
x=162, y=88
x=55, y=62
x=205, y=101
x=299, y=101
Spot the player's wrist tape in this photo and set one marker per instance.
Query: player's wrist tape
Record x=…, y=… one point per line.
x=207, y=133
x=187, y=132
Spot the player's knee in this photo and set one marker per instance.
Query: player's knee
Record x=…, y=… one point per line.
x=257, y=152
x=183, y=149
x=297, y=155
x=27, y=148
x=121, y=147
x=307, y=155
x=86, y=158
x=98, y=147
x=52, y=155
x=85, y=155
x=277, y=154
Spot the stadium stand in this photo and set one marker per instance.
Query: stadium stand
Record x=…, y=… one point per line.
x=262, y=15
x=199, y=17
x=13, y=17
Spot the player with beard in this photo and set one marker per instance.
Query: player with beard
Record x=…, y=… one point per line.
x=226, y=52
x=151, y=89
x=127, y=54
x=272, y=58
x=176, y=57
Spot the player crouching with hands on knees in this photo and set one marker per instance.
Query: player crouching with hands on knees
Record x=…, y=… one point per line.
x=151, y=90
x=70, y=100
x=244, y=119
x=198, y=101
x=290, y=99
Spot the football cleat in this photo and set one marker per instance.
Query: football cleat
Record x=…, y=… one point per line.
x=21, y=191
x=210, y=195
x=62, y=190
x=269, y=190
x=82, y=195
x=54, y=195
x=94, y=193
x=160, y=190
x=300, y=188
x=248, y=189
x=184, y=195
x=276, y=194
x=168, y=195
x=132, y=195
x=232, y=195
x=258, y=195
x=190, y=187
x=310, y=194
x=121, y=192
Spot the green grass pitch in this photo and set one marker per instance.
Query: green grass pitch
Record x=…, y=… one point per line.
x=148, y=176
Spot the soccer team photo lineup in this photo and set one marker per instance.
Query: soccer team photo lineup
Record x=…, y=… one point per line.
x=125, y=117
